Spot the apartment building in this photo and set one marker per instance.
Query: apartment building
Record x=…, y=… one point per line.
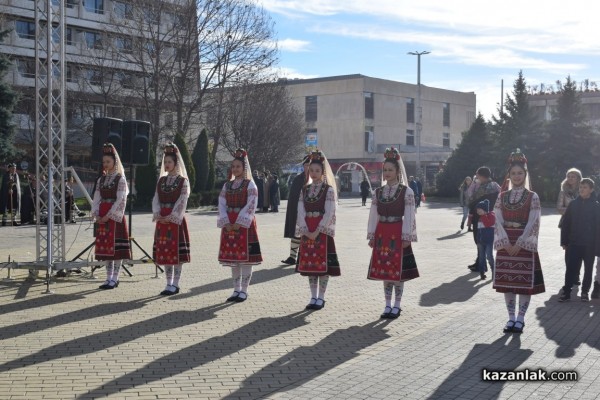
x=353, y=118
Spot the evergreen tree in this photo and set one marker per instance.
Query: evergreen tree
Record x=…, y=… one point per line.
x=8, y=100
x=212, y=175
x=187, y=158
x=201, y=162
x=570, y=141
x=472, y=152
x=146, y=177
x=516, y=127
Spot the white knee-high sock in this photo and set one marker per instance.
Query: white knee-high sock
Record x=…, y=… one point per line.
x=323, y=280
x=388, y=289
x=510, y=300
x=236, y=274
x=117, y=272
x=110, y=270
x=177, y=269
x=246, y=277
x=169, y=274
x=294, y=246
x=524, y=300
x=313, y=282
x=399, y=290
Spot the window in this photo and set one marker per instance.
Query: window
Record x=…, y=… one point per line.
x=125, y=79
x=151, y=16
x=141, y=114
x=124, y=44
x=123, y=10
x=446, y=114
x=25, y=29
x=70, y=75
x=446, y=140
x=369, y=139
x=410, y=137
x=410, y=110
x=168, y=120
x=72, y=3
x=94, y=6
x=26, y=68
x=93, y=40
x=92, y=76
x=69, y=34
x=369, y=105
x=310, y=108
x=56, y=35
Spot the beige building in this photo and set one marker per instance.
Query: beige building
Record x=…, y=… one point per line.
x=353, y=118
x=544, y=104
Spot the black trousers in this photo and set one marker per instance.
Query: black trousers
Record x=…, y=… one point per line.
x=576, y=254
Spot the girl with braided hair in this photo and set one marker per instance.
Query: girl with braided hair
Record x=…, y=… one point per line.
x=108, y=209
x=392, y=228
x=317, y=257
x=171, y=238
x=239, y=248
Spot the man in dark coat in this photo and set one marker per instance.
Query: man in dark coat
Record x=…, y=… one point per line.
x=274, y=194
x=291, y=213
x=365, y=189
x=10, y=195
x=261, y=191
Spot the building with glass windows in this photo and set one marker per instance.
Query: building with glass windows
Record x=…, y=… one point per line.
x=354, y=118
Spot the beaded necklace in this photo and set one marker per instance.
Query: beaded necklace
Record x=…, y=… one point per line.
x=392, y=198
x=509, y=205
x=166, y=188
x=315, y=196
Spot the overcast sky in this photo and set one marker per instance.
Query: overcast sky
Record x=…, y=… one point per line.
x=473, y=44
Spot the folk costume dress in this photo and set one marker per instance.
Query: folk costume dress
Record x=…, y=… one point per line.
x=239, y=249
x=316, y=212
x=112, y=237
x=172, y=240
x=392, y=221
x=518, y=215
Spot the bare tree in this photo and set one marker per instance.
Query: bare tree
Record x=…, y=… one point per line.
x=263, y=119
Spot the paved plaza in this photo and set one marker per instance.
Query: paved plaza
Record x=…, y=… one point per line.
x=83, y=343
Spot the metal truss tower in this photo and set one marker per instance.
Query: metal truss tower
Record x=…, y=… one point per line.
x=50, y=129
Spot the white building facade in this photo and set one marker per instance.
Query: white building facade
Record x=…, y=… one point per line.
x=354, y=118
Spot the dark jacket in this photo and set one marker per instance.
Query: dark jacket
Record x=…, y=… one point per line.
x=364, y=188
x=291, y=213
x=491, y=194
x=581, y=224
x=261, y=192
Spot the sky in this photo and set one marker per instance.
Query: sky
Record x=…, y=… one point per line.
x=473, y=45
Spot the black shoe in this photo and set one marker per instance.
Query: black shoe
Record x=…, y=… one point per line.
x=462, y=226
x=242, y=297
x=596, y=291
x=311, y=304
x=289, y=261
x=61, y=273
x=564, y=297
x=234, y=296
x=171, y=293
x=395, y=314
x=482, y=275
x=319, y=304
x=585, y=297
x=386, y=313
x=518, y=327
x=81, y=214
x=104, y=286
x=509, y=327
x=114, y=285
x=473, y=267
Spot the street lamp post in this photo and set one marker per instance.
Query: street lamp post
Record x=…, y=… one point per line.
x=419, y=108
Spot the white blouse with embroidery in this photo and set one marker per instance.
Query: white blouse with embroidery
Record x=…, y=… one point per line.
x=246, y=215
x=409, y=221
x=117, y=211
x=180, y=206
x=327, y=223
x=529, y=239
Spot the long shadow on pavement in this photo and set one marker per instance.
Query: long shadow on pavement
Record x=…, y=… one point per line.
x=459, y=290
x=259, y=276
x=115, y=337
x=306, y=362
x=466, y=380
x=96, y=311
x=570, y=324
x=44, y=301
x=201, y=353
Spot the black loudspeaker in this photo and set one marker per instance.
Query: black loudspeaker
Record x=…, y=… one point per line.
x=106, y=130
x=136, y=142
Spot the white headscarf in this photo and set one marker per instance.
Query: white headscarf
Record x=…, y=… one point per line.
x=329, y=178
x=242, y=155
x=180, y=169
x=109, y=148
x=393, y=153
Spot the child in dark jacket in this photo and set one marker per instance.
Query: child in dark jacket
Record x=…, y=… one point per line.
x=485, y=233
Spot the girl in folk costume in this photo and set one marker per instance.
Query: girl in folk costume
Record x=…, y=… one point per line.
x=392, y=228
x=108, y=208
x=518, y=269
x=171, y=239
x=317, y=257
x=239, y=248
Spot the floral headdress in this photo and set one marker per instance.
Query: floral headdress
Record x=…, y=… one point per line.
x=242, y=155
x=393, y=155
x=516, y=158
